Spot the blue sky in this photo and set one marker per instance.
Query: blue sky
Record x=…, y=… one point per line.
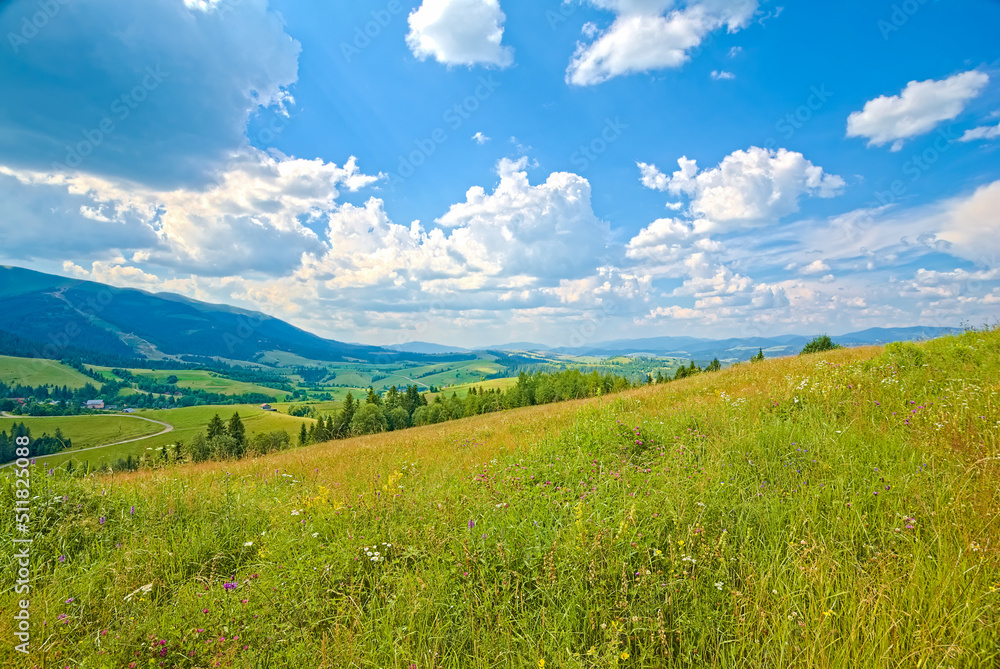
x=472, y=172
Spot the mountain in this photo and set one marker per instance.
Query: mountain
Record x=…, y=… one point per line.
x=62, y=316
x=516, y=346
x=736, y=349
x=425, y=347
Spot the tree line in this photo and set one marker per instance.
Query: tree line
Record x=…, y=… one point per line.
x=43, y=445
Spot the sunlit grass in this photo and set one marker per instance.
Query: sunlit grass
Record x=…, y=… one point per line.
x=824, y=511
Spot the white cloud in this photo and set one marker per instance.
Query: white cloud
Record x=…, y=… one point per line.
x=721, y=75
x=252, y=220
x=480, y=139
x=985, y=132
x=642, y=38
x=815, y=267
x=970, y=225
x=920, y=108
x=544, y=230
x=749, y=188
x=459, y=32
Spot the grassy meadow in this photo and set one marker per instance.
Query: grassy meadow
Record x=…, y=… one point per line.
x=187, y=422
x=833, y=510
x=37, y=371
x=86, y=431
x=197, y=379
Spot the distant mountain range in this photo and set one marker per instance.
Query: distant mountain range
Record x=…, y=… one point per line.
x=43, y=315
x=727, y=350
x=57, y=316
x=735, y=349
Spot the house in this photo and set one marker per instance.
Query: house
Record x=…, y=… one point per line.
x=95, y=404
x=267, y=407
x=128, y=410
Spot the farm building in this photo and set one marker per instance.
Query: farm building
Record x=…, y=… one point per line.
x=95, y=404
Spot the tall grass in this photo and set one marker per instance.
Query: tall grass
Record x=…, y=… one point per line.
x=824, y=511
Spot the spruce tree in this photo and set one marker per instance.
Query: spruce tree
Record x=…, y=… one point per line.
x=216, y=428
x=238, y=433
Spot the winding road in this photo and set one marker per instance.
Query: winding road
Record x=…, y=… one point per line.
x=167, y=427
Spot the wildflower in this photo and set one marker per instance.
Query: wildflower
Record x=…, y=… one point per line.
x=249, y=543
x=62, y=558
x=295, y=513
x=101, y=520
x=69, y=601
x=625, y=655
x=472, y=524
x=718, y=586
x=541, y=664
x=132, y=511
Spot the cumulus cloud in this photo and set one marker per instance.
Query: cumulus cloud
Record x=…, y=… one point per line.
x=748, y=189
x=646, y=36
x=920, y=108
x=253, y=220
x=970, y=225
x=986, y=132
x=815, y=267
x=722, y=75
x=480, y=139
x=544, y=230
x=459, y=32
x=158, y=92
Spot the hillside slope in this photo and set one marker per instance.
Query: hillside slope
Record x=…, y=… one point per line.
x=819, y=511
x=55, y=311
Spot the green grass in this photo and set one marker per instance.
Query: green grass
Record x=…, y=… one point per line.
x=86, y=431
x=199, y=379
x=463, y=390
x=187, y=422
x=837, y=510
x=37, y=372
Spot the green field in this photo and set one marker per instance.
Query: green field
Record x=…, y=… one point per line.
x=87, y=431
x=828, y=511
x=187, y=422
x=38, y=372
x=463, y=390
x=198, y=379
